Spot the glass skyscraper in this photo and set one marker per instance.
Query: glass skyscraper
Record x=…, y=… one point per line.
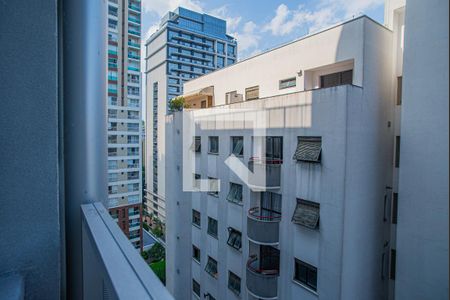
x=187, y=45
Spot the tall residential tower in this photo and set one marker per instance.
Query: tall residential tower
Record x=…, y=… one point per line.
x=124, y=117
x=187, y=45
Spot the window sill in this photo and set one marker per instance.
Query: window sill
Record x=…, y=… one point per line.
x=196, y=261
x=212, y=153
x=213, y=195
x=196, y=296
x=197, y=226
x=238, y=155
x=305, y=287
x=217, y=238
x=241, y=204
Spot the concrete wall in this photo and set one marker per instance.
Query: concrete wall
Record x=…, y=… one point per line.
x=30, y=226
x=422, y=230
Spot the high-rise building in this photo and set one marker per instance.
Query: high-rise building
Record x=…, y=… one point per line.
x=124, y=117
x=187, y=45
x=293, y=178
x=420, y=232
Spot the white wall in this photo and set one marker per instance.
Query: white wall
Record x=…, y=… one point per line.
x=422, y=230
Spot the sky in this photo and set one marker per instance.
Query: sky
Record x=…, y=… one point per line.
x=260, y=25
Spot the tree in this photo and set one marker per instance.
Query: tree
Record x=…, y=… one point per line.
x=178, y=104
x=157, y=252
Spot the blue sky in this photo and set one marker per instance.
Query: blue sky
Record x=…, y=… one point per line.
x=264, y=24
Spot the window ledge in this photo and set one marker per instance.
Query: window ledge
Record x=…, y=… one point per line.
x=196, y=261
x=215, y=237
x=305, y=287
x=213, y=195
x=197, y=226
x=212, y=153
x=241, y=204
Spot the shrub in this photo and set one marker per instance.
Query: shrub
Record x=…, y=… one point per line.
x=157, y=252
x=144, y=255
x=177, y=104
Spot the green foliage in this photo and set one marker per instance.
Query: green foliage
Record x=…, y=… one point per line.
x=146, y=227
x=157, y=252
x=159, y=268
x=144, y=255
x=177, y=104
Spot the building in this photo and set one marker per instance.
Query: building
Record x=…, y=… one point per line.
x=340, y=202
x=186, y=46
x=420, y=244
x=124, y=117
x=54, y=169
x=309, y=222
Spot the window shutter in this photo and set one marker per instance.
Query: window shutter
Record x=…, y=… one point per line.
x=306, y=214
x=309, y=149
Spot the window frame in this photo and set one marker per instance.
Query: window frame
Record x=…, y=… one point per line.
x=213, y=190
x=292, y=79
x=194, y=283
x=340, y=80
x=210, y=139
x=231, y=197
x=302, y=142
x=309, y=268
x=236, y=232
x=250, y=90
x=234, y=144
x=311, y=205
x=208, y=267
x=199, y=225
x=210, y=230
x=194, y=250
x=233, y=281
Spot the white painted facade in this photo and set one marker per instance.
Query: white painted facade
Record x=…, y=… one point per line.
x=350, y=184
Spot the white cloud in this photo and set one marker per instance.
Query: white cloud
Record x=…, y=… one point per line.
x=161, y=7
x=223, y=13
x=248, y=39
x=326, y=13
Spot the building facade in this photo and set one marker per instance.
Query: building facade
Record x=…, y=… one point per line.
x=339, y=202
x=309, y=220
x=419, y=241
x=186, y=46
x=124, y=117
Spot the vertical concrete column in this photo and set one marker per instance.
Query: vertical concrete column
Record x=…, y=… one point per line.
x=84, y=25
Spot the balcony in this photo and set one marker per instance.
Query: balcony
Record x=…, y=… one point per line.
x=134, y=20
x=134, y=32
x=263, y=228
x=134, y=7
x=262, y=278
x=266, y=174
x=134, y=56
x=135, y=45
x=111, y=265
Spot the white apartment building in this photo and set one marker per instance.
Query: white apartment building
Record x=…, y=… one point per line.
x=316, y=227
x=124, y=117
x=340, y=213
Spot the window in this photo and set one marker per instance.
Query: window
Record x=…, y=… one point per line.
x=306, y=274
x=196, y=220
x=234, y=283
x=221, y=48
x=233, y=97
x=220, y=62
x=307, y=214
x=234, y=238
x=393, y=264
x=197, y=178
x=237, y=145
x=212, y=227
x=211, y=267
x=288, y=83
x=399, y=90
x=196, y=287
x=213, y=187
x=397, y=151
x=309, y=149
x=213, y=145
x=394, y=208
x=336, y=79
x=198, y=144
x=252, y=93
x=196, y=253
x=235, y=194
x=274, y=148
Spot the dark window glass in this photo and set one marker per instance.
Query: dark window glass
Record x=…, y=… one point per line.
x=306, y=274
x=336, y=79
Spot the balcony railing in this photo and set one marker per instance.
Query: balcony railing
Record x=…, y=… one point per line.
x=263, y=228
x=135, y=20
x=136, y=45
x=134, y=7
x=111, y=265
x=133, y=69
x=261, y=282
x=266, y=174
x=134, y=32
